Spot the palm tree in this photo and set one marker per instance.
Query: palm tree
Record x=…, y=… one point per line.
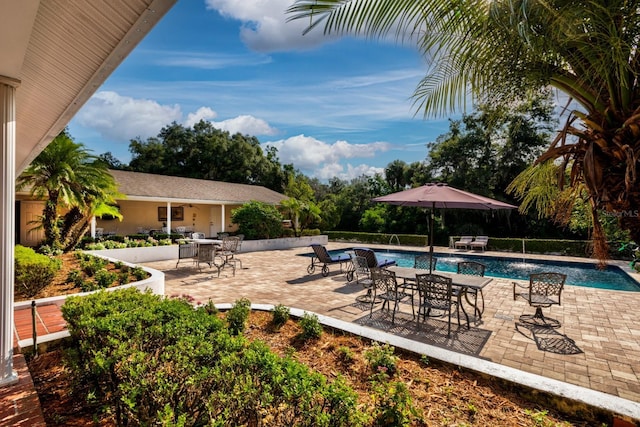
x=500, y=50
x=67, y=177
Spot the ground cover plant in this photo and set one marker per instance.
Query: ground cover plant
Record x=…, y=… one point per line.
x=140, y=359
x=41, y=276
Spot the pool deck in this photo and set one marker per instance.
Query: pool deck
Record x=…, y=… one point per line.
x=593, y=357
x=597, y=345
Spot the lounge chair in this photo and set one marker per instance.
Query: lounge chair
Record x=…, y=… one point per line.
x=480, y=242
x=463, y=242
x=372, y=260
x=322, y=257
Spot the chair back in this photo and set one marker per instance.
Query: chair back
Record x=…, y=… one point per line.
x=360, y=266
x=197, y=235
x=548, y=286
x=434, y=290
x=425, y=262
x=230, y=244
x=321, y=253
x=384, y=280
x=471, y=268
x=367, y=254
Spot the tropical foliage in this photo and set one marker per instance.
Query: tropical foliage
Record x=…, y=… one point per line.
x=502, y=50
x=74, y=185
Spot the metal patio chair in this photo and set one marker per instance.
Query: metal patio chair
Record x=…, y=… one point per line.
x=543, y=290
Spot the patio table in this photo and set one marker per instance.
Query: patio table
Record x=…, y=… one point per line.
x=463, y=282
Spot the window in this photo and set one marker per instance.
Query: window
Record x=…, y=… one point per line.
x=177, y=213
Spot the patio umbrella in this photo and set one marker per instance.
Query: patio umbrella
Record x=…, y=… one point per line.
x=441, y=196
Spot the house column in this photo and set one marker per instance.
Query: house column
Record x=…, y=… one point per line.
x=169, y=218
x=222, y=219
x=93, y=227
x=7, y=224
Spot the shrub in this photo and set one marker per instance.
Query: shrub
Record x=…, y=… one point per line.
x=123, y=277
x=280, y=315
x=238, y=315
x=393, y=404
x=381, y=359
x=139, y=273
x=91, y=264
x=257, y=220
x=156, y=361
x=33, y=272
x=104, y=278
x=311, y=327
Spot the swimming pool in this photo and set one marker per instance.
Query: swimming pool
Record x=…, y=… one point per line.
x=578, y=273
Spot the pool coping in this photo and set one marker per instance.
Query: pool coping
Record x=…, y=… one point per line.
x=621, y=264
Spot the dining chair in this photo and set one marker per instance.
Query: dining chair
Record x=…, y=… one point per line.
x=543, y=290
x=360, y=271
x=385, y=288
x=425, y=262
x=436, y=293
x=473, y=268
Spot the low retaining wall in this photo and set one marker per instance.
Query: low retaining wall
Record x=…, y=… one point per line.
x=163, y=253
x=284, y=243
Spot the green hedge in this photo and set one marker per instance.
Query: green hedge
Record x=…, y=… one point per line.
x=157, y=361
x=579, y=248
x=381, y=238
x=33, y=271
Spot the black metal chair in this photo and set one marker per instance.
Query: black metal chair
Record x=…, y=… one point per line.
x=436, y=293
x=473, y=268
x=360, y=271
x=543, y=290
x=372, y=260
x=322, y=257
x=386, y=289
x=425, y=262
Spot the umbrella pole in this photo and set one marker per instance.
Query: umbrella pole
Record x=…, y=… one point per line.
x=431, y=238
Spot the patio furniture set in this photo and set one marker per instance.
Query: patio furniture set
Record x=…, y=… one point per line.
x=438, y=293
x=218, y=253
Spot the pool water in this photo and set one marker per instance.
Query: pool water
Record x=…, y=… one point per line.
x=578, y=274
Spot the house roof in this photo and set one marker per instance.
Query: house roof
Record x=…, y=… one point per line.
x=151, y=187
x=58, y=53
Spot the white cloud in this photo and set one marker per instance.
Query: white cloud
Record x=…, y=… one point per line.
x=204, y=60
x=122, y=118
x=317, y=158
x=203, y=113
x=265, y=27
x=246, y=125
x=347, y=173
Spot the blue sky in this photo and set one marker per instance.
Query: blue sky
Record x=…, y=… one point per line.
x=333, y=107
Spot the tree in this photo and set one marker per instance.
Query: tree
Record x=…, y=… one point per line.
x=501, y=50
x=205, y=152
x=67, y=177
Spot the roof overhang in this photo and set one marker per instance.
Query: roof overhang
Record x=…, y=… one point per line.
x=60, y=53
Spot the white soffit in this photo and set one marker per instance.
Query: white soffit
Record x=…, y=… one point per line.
x=62, y=51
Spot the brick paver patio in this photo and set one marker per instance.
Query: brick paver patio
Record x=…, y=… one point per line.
x=597, y=346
